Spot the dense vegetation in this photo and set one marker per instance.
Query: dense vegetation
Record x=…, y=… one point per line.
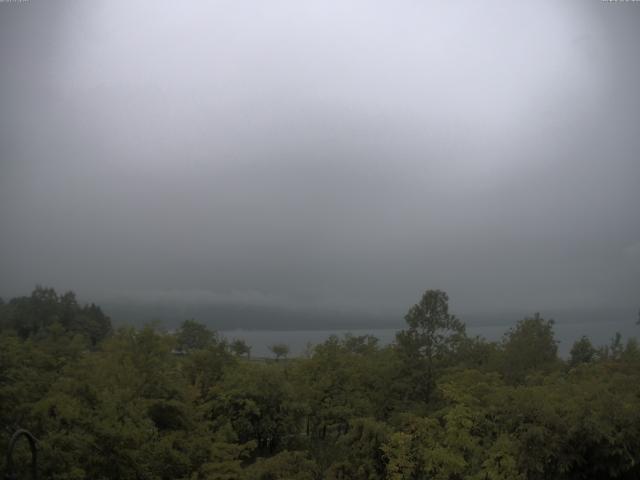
x=143, y=404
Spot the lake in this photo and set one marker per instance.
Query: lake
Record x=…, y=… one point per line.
x=600, y=333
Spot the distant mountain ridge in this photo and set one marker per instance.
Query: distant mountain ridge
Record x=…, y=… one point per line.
x=226, y=316
x=258, y=317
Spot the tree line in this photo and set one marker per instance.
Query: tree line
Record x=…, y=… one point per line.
x=142, y=403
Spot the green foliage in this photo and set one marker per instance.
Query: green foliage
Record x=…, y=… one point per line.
x=359, y=451
x=285, y=465
x=193, y=335
x=144, y=405
x=582, y=351
x=280, y=350
x=431, y=341
x=240, y=348
x=34, y=315
x=528, y=347
x=203, y=369
x=259, y=403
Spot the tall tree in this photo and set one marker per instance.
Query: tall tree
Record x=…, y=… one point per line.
x=36, y=314
x=194, y=335
x=432, y=338
x=582, y=351
x=529, y=346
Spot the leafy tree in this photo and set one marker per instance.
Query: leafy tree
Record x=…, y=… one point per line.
x=582, y=351
x=91, y=321
x=359, y=451
x=338, y=384
x=33, y=315
x=285, y=465
x=193, y=335
x=401, y=457
x=124, y=405
x=226, y=456
x=631, y=353
x=529, y=346
x=363, y=344
x=280, y=350
x=613, y=351
x=240, y=348
x=433, y=337
x=259, y=404
x=205, y=368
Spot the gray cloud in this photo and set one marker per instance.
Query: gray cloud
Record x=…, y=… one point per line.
x=342, y=154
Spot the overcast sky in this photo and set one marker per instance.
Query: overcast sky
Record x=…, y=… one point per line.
x=342, y=154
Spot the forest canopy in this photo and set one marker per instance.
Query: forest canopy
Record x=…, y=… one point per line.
x=143, y=403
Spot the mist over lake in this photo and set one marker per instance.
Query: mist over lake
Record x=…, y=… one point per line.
x=600, y=333
x=264, y=325
x=320, y=239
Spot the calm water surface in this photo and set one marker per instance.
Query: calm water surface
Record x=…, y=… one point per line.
x=600, y=333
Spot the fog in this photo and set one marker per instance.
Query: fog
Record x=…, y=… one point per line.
x=342, y=156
